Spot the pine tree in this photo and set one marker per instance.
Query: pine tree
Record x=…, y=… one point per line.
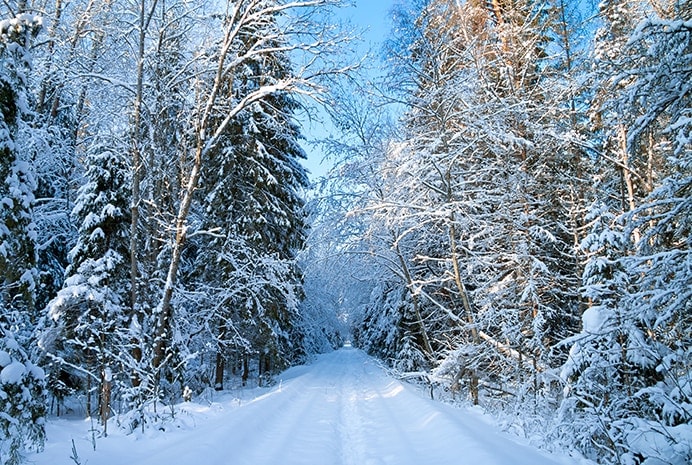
x=660, y=265
x=250, y=37
x=74, y=38
x=598, y=363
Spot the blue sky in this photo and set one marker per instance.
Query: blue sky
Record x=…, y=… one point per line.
x=372, y=16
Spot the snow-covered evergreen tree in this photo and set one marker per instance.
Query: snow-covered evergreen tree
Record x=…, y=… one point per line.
x=598, y=362
x=253, y=209
x=71, y=42
x=22, y=390
x=244, y=87
x=17, y=184
x=90, y=316
x=628, y=372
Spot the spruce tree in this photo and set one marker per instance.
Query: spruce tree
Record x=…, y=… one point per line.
x=628, y=371
x=17, y=184
x=89, y=315
x=22, y=390
x=253, y=191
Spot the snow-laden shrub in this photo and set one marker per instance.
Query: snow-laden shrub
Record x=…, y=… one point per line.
x=22, y=401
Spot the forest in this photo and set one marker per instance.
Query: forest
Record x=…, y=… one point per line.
x=508, y=219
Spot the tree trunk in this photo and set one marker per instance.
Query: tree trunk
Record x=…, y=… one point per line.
x=416, y=306
x=88, y=396
x=246, y=369
x=105, y=401
x=136, y=154
x=137, y=174
x=41, y=98
x=164, y=311
x=473, y=385
x=219, y=372
x=626, y=169
x=473, y=388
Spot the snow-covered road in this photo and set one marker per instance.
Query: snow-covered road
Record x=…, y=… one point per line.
x=342, y=409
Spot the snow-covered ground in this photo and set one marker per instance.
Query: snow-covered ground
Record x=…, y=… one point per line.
x=342, y=409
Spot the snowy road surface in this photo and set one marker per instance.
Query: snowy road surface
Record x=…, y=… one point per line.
x=341, y=410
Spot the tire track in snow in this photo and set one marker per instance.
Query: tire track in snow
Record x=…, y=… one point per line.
x=352, y=438
x=295, y=433
x=378, y=402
